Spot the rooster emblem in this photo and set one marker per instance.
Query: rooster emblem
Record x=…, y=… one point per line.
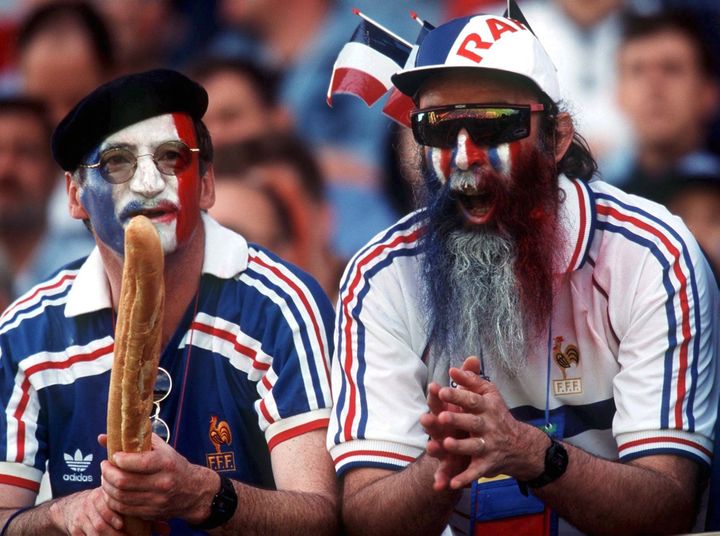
x=565, y=357
x=219, y=433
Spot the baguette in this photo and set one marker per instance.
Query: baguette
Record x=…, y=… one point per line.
x=137, y=346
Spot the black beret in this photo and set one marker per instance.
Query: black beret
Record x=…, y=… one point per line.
x=121, y=103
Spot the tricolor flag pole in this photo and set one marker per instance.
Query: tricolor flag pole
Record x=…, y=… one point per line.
x=394, y=35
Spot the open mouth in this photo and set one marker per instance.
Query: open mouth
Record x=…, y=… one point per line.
x=477, y=208
x=160, y=214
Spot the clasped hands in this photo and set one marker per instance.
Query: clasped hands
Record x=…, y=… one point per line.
x=473, y=433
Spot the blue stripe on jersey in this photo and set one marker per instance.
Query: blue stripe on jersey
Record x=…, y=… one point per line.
x=402, y=225
x=48, y=298
x=669, y=310
x=301, y=322
x=592, y=219
x=362, y=366
x=378, y=465
x=696, y=301
x=665, y=450
x=578, y=419
x=398, y=228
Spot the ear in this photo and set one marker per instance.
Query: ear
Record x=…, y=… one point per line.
x=207, y=188
x=75, y=206
x=564, y=132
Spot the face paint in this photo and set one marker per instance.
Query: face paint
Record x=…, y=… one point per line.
x=466, y=154
x=171, y=202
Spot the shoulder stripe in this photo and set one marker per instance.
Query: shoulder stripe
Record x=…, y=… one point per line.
x=401, y=240
x=671, y=252
x=35, y=302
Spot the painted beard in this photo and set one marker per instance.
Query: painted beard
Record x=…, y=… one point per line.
x=489, y=288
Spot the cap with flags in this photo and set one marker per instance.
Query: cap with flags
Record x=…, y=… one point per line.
x=481, y=42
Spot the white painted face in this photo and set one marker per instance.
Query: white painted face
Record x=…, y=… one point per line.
x=171, y=202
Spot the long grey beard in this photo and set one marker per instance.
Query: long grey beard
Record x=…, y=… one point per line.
x=483, y=315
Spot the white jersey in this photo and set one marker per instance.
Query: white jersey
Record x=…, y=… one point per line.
x=633, y=353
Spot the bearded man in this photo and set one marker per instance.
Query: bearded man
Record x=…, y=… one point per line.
x=552, y=335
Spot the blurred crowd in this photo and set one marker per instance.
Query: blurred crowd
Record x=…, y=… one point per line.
x=314, y=183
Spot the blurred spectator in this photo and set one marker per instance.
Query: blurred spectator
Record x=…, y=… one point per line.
x=669, y=91
x=242, y=99
x=27, y=174
x=694, y=195
x=301, y=39
x=253, y=210
x=283, y=165
x=144, y=32
x=6, y=291
x=64, y=52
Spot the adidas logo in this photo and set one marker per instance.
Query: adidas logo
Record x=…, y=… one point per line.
x=77, y=462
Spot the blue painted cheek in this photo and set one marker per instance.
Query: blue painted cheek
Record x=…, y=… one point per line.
x=97, y=198
x=494, y=159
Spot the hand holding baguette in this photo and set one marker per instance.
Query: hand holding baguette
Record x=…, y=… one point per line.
x=137, y=346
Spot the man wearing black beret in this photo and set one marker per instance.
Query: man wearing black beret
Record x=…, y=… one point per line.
x=243, y=387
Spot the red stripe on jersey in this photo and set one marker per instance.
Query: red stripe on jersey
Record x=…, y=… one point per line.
x=684, y=306
x=380, y=453
x=581, y=229
x=229, y=337
x=305, y=302
x=20, y=482
x=678, y=440
x=296, y=431
x=265, y=412
x=58, y=283
x=379, y=249
x=48, y=365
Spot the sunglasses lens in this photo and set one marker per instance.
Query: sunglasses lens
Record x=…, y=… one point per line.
x=160, y=428
x=172, y=157
x=163, y=385
x=116, y=165
x=485, y=125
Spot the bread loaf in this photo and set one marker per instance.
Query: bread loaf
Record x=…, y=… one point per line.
x=137, y=346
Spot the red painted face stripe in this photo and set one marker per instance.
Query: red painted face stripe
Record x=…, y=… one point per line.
x=475, y=155
x=403, y=239
x=188, y=182
x=684, y=306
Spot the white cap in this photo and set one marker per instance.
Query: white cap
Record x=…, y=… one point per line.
x=481, y=42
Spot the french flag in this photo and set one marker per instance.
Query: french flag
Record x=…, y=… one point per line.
x=366, y=62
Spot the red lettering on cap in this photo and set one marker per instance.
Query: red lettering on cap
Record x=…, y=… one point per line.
x=498, y=27
x=477, y=43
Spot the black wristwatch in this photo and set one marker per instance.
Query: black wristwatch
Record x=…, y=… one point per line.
x=222, y=507
x=556, y=461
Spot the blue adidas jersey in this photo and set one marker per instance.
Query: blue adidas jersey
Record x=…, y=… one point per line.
x=249, y=364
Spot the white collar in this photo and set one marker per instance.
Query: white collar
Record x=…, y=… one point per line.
x=226, y=255
x=577, y=218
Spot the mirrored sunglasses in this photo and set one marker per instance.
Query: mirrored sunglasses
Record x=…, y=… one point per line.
x=118, y=164
x=486, y=124
x=163, y=386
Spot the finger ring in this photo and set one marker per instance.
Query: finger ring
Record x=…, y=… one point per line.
x=482, y=444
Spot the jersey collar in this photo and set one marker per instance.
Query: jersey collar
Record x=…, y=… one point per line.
x=577, y=219
x=226, y=255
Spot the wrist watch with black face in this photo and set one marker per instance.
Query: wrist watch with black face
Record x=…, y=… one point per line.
x=222, y=507
x=556, y=461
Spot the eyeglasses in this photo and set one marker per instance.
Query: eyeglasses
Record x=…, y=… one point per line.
x=163, y=386
x=487, y=124
x=118, y=164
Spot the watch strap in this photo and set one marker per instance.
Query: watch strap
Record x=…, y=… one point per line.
x=556, y=461
x=223, y=506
